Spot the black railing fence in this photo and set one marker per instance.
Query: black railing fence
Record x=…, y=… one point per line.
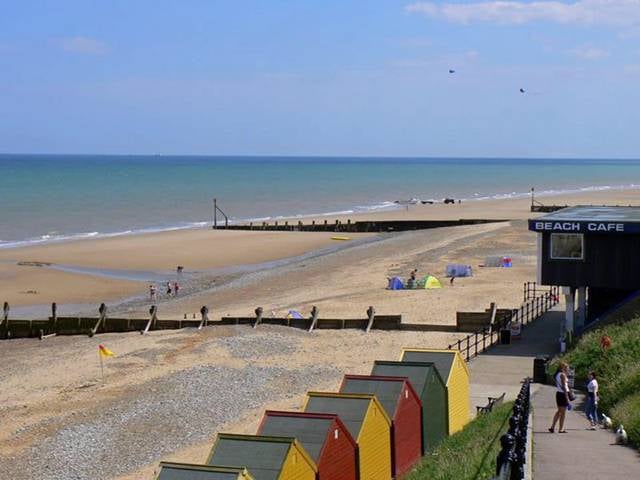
x=532, y=290
x=512, y=459
x=537, y=302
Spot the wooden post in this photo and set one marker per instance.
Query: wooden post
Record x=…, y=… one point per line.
x=102, y=311
x=371, y=313
x=215, y=212
x=204, y=311
x=153, y=312
x=5, y=321
x=494, y=310
x=314, y=318
x=258, y=312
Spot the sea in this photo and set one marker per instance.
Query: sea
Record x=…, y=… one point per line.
x=52, y=198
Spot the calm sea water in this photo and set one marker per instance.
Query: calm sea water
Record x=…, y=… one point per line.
x=50, y=197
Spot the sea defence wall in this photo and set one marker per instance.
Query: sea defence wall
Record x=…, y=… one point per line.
x=356, y=227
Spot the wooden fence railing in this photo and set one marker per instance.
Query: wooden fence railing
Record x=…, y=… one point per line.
x=483, y=339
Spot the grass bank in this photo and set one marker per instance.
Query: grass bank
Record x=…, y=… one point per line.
x=469, y=454
x=617, y=370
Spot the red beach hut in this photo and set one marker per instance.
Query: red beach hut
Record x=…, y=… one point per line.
x=325, y=438
x=404, y=408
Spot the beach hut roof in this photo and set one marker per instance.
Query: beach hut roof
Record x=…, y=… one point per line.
x=310, y=429
x=417, y=372
x=444, y=359
x=387, y=389
x=263, y=456
x=187, y=471
x=352, y=408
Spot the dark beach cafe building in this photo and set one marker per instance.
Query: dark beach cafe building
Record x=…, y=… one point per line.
x=594, y=254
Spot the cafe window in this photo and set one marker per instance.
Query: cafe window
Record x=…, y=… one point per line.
x=567, y=246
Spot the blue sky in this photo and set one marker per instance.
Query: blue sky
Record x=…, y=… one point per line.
x=321, y=78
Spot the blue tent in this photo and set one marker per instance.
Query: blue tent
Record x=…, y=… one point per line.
x=395, y=284
x=294, y=314
x=455, y=270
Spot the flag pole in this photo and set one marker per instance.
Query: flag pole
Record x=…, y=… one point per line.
x=101, y=365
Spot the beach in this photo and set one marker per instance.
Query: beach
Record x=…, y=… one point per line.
x=167, y=394
x=117, y=268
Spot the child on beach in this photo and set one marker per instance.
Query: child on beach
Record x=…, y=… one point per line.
x=168, y=289
x=152, y=292
x=176, y=287
x=592, y=400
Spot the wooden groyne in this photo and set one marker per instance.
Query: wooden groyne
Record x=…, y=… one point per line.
x=356, y=227
x=79, y=325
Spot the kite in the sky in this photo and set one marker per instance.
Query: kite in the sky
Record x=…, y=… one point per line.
x=522, y=90
x=452, y=71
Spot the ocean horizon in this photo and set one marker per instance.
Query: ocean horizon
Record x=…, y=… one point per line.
x=49, y=198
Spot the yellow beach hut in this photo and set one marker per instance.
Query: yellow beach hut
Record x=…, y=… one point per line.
x=455, y=373
x=267, y=458
x=368, y=424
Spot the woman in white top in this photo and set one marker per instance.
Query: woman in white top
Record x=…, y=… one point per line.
x=562, y=397
x=592, y=400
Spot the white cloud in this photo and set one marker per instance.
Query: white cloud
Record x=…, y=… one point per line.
x=85, y=45
x=589, y=53
x=616, y=13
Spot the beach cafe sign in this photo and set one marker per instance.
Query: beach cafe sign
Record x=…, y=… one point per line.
x=582, y=227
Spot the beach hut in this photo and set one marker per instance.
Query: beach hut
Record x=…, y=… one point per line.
x=455, y=373
x=323, y=435
x=403, y=407
x=368, y=424
x=267, y=458
x=187, y=471
x=431, y=390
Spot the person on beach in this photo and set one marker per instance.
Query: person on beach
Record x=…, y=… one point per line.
x=411, y=282
x=592, y=400
x=152, y=292
x=562, y=397
x=168, y=289
x=176, y=287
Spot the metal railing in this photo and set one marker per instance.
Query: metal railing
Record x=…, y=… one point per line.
x=532, y=290
x=532, y=308
x=512, y=458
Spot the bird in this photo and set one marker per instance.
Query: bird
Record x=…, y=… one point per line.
x=621, y=435
x=606, y=421
x=452, y=71
x=522, y=90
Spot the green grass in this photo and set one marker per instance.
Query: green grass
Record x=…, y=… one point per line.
x=469, y=454
x=617, y=369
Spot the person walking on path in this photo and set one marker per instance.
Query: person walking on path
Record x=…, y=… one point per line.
x=562, y=397
x=592, y=400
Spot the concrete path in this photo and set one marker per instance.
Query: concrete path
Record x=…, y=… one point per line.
x=580, y=453
x=502, y=369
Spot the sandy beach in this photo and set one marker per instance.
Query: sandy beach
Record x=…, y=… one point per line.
x=203, y=249
x=166, y=394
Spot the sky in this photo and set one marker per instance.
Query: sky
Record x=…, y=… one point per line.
x=323, y=77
